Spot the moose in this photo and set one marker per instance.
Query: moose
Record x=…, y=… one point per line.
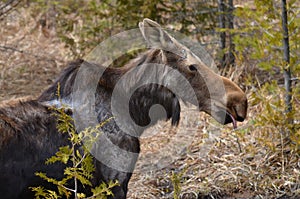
x=28, y=133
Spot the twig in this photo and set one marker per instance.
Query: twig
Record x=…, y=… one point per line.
x=282, y=153
x=72, y=190
x=74, y=166
x=238, y=142
x=83, y=157
x=6, y=48
x=2, y=13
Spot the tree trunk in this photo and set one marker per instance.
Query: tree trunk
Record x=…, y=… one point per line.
x=222, y=26
x=286, y=57
x=230, y=36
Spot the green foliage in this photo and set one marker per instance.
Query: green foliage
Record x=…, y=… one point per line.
x=79, y=163
x=259, y=37
x=273, y=121
x=259, y=41
x=176, y=179
x=40, y=192
x=104, y=189
x=83, y=24
x=61, y=156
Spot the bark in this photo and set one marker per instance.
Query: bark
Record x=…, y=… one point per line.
x=231, y=27
x=226, y=21
x=286, y=57
x=222, y=25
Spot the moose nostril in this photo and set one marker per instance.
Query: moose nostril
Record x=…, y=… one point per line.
x=240, y=119
x=240, y=116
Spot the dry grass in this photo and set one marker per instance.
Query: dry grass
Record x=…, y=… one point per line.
x=234, y=164
x=29, y=61
x=216, y=161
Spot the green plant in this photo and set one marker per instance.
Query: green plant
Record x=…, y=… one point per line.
x=176, y=179
x=79, y=163
x=259, y=36
x=273, y=120
x=83, y=24
x=259, y=42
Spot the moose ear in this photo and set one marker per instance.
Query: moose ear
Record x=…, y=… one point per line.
x=154, y=35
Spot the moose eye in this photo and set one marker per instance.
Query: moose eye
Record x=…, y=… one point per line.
x=193, y=67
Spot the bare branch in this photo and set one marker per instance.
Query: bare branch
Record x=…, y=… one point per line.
x=7, y=7
x=46, y=58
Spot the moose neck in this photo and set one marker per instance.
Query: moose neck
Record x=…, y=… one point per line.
x=148, y=101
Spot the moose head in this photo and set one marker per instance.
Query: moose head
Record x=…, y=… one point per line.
x=216, y=95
